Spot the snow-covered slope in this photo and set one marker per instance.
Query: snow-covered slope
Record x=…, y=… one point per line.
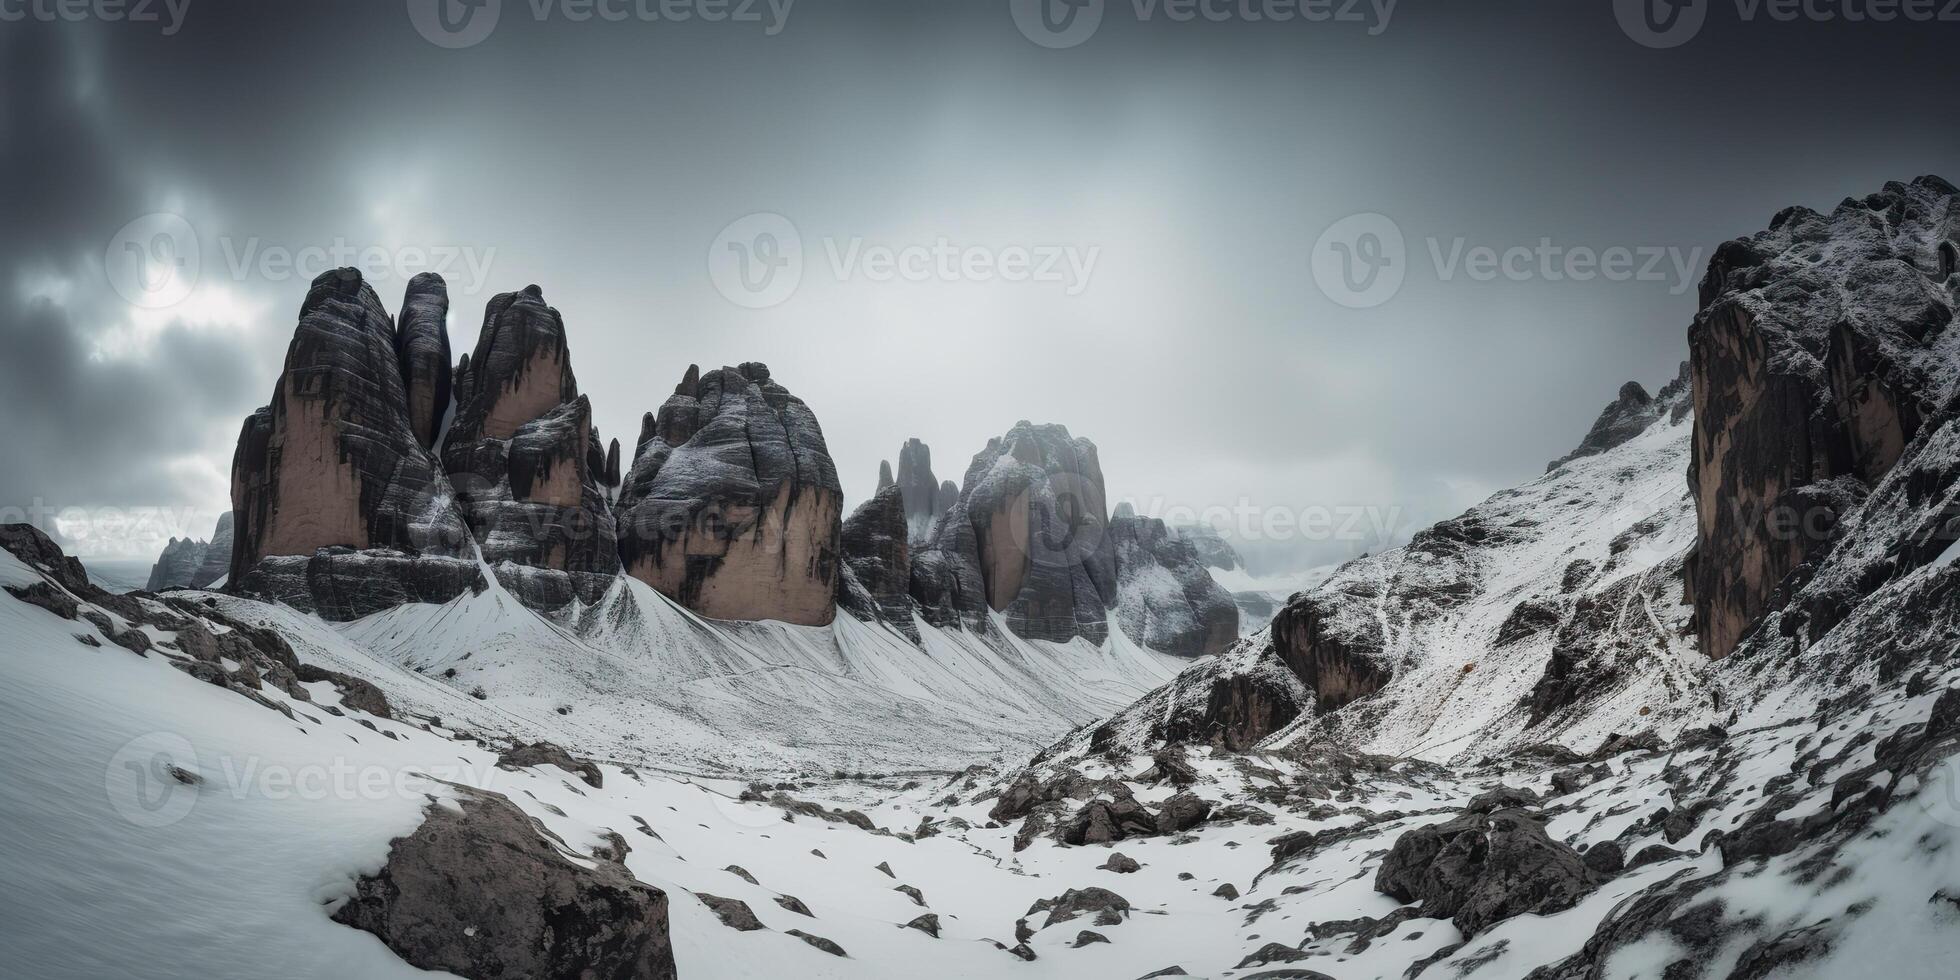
x=638, y=679
x=1552, y=612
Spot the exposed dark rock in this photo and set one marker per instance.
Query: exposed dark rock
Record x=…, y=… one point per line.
x=422, y=349
x=1502, y=798
x=1812, y=358
x=876, y=577
x=1121, y=864
x=179, y=563
x=1272, y=953
x=918, y=897
x=1076, y=902
x=523, y=755
x=927, y=923
x=334, y=463
x=1605, y=859
x=733, y=913
x=742, y=873
x=794, y=904
x=1333, y=645
x=1226, y=891
x=341, y=584
x=525, y=462
x=480, y=892
x=1181, y=812
x=1628, y=416
x=1027, y=538
x=924, y=496
x=1166, y=599
x=1478, y=870
x=1169, y=971
x=1085, y=937
x=819, y=942
x=733, y=507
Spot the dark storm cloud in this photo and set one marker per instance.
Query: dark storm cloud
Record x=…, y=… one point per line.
x=1200, y=160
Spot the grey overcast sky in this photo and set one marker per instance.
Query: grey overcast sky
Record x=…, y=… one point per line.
x=1194, y=162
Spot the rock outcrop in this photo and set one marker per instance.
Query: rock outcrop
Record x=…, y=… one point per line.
x=874, y=582
x=1027, y=538
x=524, y=459
x=334, y=463
x=1166, y=600
x=1332, y=642
x=1625, y=417
x=1478, y=870
x=422, y=348
x=925, y=496
x=480, y=890
x=180, y=561
x=733, y=507
x=191, y=564
x=1816, y=355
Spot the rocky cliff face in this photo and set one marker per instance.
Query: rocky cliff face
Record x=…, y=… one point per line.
x=733, y=507
x=1167, y=601
x=1212, y=548
x=334, y=462
x=181, y=559
x=1550, y=611
x=1028, y=537
x=524, y=459
x=926, y=497
x=422, y=348
x=875, y=581
x=1821, y=346
x=190, y=564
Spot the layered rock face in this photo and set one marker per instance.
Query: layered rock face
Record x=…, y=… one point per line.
x=875, y=581
x=1166, y=600
x=1028, y=538
x=334, y=462
x=422, y=348
x=925, y=496
x=192, y=564
x=1816, y=355
x=181, y=559
x=1332, y=643
x=527, y=466
x=733, y=507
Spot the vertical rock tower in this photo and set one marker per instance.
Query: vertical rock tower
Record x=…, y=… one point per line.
x=733, y=507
